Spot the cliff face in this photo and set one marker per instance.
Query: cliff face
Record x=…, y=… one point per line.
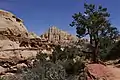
x=56, y=35
x=11, y=30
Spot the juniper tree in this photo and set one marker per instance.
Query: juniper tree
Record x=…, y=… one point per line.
x=95, y=23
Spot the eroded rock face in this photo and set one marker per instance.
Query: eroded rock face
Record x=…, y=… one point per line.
x=12, y=31
x=56, y=35
x=11, y=25
x=7, y=51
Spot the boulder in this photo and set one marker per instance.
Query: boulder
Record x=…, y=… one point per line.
x=20, y=66
x=98, y=71
x=2, y=70
x=46, y=52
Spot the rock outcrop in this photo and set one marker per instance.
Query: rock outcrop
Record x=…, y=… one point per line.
x=12, y=31
x=56, y=35
x=10, y=25
x=100, y=72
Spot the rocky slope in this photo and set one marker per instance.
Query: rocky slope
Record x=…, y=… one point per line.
x=18, y=46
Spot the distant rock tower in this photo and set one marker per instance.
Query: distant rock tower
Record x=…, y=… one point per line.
x=56, y=35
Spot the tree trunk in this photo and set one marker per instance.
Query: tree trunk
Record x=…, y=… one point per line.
x=90, y=35
x=96, y=52
x=91, y=40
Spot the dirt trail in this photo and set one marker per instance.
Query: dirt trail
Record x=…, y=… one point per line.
x=115, y=72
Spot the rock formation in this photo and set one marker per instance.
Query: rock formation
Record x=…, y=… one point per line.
x=12, y=29
x=56, y=35
x=11, y=25
x=18, y=46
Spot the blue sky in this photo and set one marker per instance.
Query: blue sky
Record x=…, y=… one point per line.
x=39, y=15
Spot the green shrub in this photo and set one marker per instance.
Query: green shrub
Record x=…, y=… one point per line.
x=2, y=78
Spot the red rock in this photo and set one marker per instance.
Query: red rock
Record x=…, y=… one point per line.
x=98, y=71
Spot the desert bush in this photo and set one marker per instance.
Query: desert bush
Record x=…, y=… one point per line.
x=64, y=64
x=114, y=52
x=2, y=78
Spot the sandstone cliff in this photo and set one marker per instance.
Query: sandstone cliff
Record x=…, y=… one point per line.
x=12, y=29
x=11, y=25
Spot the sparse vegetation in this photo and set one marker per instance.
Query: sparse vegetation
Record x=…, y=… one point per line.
x=63, y=65
x=67, y=64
